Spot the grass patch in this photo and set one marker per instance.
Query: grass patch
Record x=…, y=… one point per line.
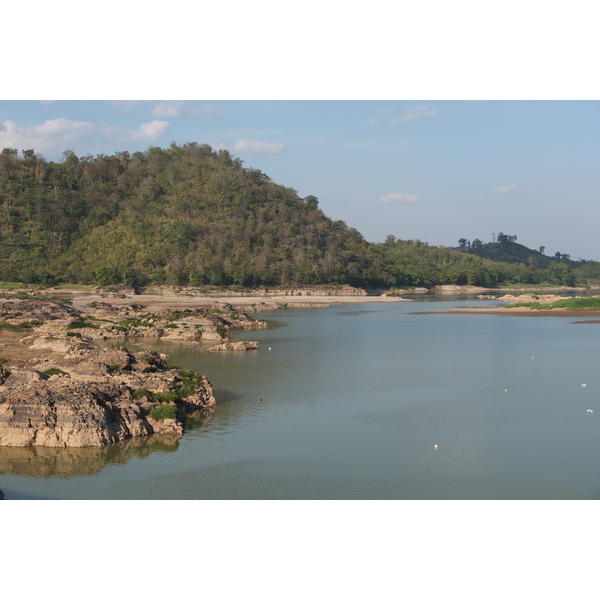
x=12, y=285
x=133, y=322
x=577, y=303
x=54, y=371
x=176, y=316
x=82, y=324
x=536, y=305
x=185, y=384
x=73, y=286
x=568, y=303
x=31, y=298
x=168, y=411
x=24, y=326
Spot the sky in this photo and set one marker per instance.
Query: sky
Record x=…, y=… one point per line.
x=433, y=170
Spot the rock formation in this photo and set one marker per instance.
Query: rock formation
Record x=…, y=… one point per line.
x=73, y=394
x=96, y=397
x=235, y=347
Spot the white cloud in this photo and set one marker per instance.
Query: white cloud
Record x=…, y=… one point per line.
x=371, y=121
x=399, y=198
x=57, y=135
x=256, y=147
x=147, y=132
x=412, y=114
x=54, y=135
x=504, y=189
x=180, y=108
x=168, y=109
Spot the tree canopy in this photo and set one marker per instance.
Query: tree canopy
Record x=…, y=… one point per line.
x=190, y=215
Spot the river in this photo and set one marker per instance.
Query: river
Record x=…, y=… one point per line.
x=364, y=401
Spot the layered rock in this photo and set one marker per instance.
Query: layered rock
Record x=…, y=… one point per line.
x=95, y=398
x=235, y=347
x=73, y=394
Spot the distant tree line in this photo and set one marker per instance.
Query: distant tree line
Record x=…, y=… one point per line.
x=189, y=215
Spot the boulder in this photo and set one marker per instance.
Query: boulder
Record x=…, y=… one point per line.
x=235, y=347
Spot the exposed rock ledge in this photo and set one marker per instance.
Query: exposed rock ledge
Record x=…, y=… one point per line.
x=58, y=390
x=235, y=347
x=97, y=396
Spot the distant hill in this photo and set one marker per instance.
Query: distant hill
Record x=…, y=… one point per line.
x=506, y=249
x=188, y=215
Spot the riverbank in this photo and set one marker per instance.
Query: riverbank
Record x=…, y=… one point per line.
x=157, y=302
x=60, y=387
x=520, y=312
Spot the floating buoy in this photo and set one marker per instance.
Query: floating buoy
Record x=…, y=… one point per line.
x=435, y=446
x=590, y=410
x=584, y=385
x=505, y=390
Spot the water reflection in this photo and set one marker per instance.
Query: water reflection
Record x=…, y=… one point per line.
x=198, y=418
x=39, y=461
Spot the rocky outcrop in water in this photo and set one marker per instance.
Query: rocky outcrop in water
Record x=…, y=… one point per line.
x=235, y=347
x=54, y=325
x=94, y=397
x=540, y=298
x=73, y=394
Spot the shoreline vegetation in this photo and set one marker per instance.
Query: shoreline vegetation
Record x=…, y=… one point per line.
x=533, y=305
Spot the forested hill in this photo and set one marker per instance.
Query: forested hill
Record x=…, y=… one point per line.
x=182, y=215
x=505, y=248
x=188, y=215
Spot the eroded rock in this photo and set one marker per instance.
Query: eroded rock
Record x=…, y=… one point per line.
x=92, y=401
x=235, y=347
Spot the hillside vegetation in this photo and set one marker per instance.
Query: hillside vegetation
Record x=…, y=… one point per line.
x=188, y=215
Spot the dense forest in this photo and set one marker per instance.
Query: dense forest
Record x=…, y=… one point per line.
x=187, y=215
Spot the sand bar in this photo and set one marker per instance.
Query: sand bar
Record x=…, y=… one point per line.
x=520, y=312
x=156, y=302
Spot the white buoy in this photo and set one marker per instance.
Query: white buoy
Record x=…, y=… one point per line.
x=590, y=410
x=435, y=446
x=505, y=390
x=584, y=385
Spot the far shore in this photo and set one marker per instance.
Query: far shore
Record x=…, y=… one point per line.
x=156, y=302
x=520, y=312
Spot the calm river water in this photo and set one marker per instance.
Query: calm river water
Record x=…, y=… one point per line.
x=350, y=402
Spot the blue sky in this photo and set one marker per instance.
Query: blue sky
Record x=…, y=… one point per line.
x=430, y=170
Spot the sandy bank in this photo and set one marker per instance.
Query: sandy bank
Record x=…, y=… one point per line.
x=153, y=301
x=521, y=312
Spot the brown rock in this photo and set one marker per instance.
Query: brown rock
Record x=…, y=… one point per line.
x=235, y=347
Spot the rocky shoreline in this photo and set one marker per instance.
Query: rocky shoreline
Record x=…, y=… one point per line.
x=59, y=389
